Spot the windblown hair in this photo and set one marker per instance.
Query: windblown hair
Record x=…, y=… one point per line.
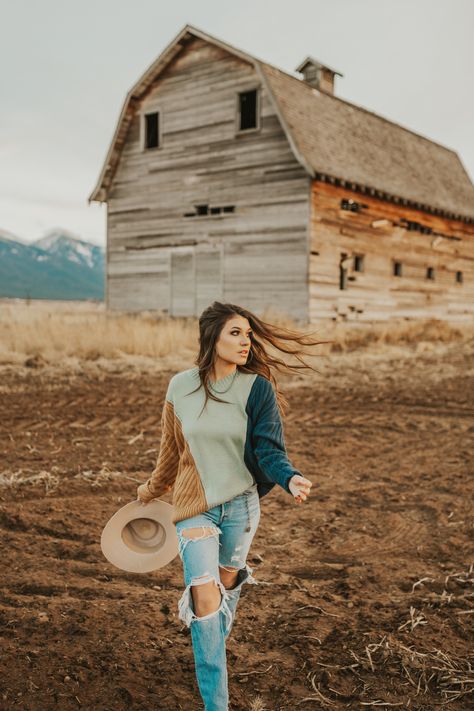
x=211, y=323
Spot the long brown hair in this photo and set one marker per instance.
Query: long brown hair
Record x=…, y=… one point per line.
x=211, y=323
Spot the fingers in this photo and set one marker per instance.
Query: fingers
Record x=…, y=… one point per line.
x=304, y=485
x=303, y=491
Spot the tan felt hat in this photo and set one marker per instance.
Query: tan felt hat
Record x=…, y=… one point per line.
x=140, y=538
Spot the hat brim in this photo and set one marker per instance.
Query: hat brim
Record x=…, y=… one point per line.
x=121, y=555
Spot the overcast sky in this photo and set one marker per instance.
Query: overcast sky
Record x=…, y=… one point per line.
x=66, y=67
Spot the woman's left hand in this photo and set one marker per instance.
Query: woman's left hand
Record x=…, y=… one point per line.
x=300, y=487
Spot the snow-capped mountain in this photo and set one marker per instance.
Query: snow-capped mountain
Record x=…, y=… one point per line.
x=59, y=265
x=73, y=249
x=9, y=237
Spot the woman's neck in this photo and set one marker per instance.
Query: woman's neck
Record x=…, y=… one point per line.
x=222, y=370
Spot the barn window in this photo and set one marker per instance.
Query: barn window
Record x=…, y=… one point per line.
x=208, y=210
x=459, y=278
x=152, y=130
x=344, y=264
x=352, y=205
x=430, y=273
x=358, y=262
x=413, y=226
x=248, y=110
x=397, y=269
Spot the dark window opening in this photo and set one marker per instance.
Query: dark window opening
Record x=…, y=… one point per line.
x=248, y=110
x=207, y=210
x=352, y=205
x=397, y=269
x=152, y=126
x=459, y=278
x=343, y=265
x=430, y=274
x=358, y=262
x=412, y=226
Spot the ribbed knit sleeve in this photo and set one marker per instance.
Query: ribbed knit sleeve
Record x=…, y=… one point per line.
x=164, y=474
x=267, y=434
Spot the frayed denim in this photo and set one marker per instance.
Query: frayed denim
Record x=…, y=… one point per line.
x=231, y=528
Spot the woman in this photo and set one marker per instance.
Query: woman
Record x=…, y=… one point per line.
x=221, y=456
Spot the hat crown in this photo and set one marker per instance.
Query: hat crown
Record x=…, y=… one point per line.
x=143, y=528
x=140, y=541
x=143, y=535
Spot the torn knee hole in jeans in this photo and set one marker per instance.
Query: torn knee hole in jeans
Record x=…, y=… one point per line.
x=229, y=570
x=192, y=534
x=244, y=575
x=186, y=606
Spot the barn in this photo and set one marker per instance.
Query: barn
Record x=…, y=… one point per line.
x=229, y=179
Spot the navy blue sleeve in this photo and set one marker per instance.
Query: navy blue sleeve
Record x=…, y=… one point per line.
x=267, y=434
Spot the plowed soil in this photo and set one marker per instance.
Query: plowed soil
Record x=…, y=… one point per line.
x=374, y=570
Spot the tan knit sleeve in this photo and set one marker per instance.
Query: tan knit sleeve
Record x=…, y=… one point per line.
x=164, y=474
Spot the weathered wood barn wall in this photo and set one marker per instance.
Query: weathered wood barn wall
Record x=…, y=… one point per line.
x=355, y=252
x=289, y=214
x=158, y=258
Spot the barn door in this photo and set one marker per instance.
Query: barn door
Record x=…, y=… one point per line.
x=195, y=279
x=182, y=283
x=209, y=281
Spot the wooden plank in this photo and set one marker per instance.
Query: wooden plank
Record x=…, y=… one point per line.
x=377, y=231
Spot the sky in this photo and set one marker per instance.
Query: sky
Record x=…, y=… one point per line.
x=66, y=67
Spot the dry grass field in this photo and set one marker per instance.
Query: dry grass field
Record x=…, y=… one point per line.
x=366, y=591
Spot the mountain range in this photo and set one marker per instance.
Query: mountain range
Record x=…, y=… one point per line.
x=56, y=266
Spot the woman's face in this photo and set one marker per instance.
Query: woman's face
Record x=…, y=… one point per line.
x=234, y=338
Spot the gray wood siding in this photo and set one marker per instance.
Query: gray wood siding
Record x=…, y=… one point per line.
x=182, y=283
x=260, y=252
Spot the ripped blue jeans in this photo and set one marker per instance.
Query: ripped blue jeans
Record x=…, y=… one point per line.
x=232, y=527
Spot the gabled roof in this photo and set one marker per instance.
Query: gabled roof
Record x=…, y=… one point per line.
x=333, y=140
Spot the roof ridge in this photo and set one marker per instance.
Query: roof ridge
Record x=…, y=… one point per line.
x=301, y=82
x=449, y=190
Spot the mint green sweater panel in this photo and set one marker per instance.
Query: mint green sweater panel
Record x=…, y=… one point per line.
x=216, y=439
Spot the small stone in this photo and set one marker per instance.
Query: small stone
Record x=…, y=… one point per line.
x=67, y=678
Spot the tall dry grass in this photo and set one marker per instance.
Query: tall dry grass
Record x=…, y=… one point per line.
x=53, y=331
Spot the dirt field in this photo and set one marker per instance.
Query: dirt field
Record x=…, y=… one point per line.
x=366, y=590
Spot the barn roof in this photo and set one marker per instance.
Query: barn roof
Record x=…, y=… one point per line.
x=333, y=139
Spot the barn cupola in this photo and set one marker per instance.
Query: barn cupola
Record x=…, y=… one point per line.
x=318, y=75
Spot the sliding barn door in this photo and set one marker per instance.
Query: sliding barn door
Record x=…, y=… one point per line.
x=182, y=283
x=196, y=279
x=209, y=280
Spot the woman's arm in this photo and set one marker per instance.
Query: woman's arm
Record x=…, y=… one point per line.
x=269, y=443
x=164, y=474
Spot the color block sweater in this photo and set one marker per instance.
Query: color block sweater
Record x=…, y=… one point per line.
x=211, y=458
